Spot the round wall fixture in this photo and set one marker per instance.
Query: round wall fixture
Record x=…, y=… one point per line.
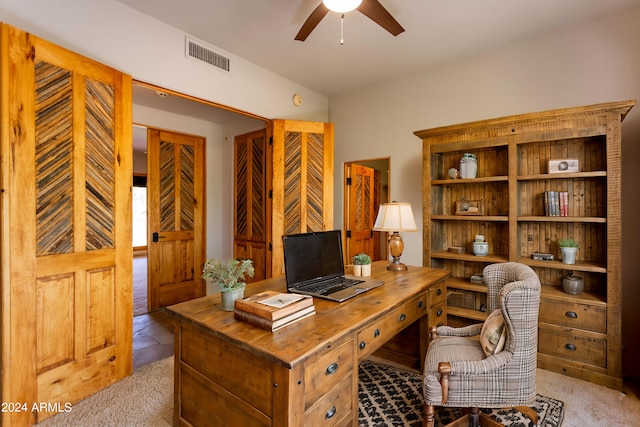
x=297, y=99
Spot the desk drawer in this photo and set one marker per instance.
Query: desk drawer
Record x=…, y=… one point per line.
x=375, y=335
x=326, y=371
x=572, y=346
x=437, y=294
x=438, y=315
x=574, y=315
x=333, y=407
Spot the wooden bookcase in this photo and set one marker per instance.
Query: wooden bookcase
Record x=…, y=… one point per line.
x=579, y=335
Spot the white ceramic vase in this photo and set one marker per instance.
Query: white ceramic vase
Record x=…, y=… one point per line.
x=228, y=298
x=568, y=255
x=366, y=270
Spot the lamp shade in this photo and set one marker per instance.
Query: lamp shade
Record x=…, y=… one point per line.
x=341, y=6
x=395, y=216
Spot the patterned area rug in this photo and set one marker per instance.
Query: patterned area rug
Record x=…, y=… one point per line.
x=389, y=396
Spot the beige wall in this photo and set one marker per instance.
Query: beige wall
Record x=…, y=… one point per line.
x=589, y=63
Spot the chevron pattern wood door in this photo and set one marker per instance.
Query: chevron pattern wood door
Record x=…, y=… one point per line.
x=251, y=203
x=302, y=181
x=175, y=184
x=361, y=210
x=66, y=226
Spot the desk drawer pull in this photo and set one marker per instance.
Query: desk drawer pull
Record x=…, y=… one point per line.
x=439, y=292
x=362, y=345
x=331, y=369
x=570, y=347
x=439, y=312
x=402, y=317
x=571, y=314
x=331, y=412
x=376, y=333
x=420, y=304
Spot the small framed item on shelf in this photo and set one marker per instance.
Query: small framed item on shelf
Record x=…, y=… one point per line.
x=469, y=207
x=542, y=256
x=563, y=165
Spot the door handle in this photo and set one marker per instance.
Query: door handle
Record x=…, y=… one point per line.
x=155, y=237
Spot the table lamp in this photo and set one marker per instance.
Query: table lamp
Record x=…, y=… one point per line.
x=395, y=217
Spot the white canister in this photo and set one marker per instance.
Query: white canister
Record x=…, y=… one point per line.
x=468, y=166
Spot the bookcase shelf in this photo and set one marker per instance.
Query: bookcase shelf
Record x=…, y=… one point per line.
x=513, y=157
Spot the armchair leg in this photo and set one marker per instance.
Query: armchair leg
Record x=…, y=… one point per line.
x=429, y=414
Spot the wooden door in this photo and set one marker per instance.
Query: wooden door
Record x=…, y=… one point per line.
x=361, y=188
x=66, y=176
x=251, y=204
x=302, y=181
x=175, y=197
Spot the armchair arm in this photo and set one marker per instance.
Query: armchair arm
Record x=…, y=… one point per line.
x=465, y=331
x=484, y=366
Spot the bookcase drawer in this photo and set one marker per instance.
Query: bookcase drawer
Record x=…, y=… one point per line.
x=326, y=371
x=572, y=346
x=375, y=335
x=573, y=315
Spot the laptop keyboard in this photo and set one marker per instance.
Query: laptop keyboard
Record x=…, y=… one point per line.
x=330, y=286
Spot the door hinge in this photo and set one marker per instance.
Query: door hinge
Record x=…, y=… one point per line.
x=270, y=246
x=349, y=181
x=271, y=140
x=371, y=233
x=271, y=194
x=348, y=233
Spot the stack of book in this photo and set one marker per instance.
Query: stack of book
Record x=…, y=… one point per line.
x=273, y=310
x=556, y=203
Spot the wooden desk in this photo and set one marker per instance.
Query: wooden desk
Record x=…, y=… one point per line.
x=230, y=373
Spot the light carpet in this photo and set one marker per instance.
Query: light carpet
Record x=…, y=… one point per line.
x=140, y=285
x=146, y=399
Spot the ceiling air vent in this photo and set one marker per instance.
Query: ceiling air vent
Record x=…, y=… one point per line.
x=196, y=49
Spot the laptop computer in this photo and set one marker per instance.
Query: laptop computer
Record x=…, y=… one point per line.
x=313, y=265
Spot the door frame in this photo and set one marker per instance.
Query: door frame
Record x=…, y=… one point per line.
x=374, y=163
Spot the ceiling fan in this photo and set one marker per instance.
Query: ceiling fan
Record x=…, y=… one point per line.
x=372, y=9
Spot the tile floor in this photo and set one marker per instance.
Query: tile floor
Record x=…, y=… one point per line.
x=152, y=337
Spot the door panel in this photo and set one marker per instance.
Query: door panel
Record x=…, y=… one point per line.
x=251, y=162
x=175, y=185
x=66, y=232
x=361, y=210
x=302, y=181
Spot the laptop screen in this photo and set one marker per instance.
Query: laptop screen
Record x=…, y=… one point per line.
x=310, y=256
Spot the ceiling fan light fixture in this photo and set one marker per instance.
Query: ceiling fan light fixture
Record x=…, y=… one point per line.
x=341, y=6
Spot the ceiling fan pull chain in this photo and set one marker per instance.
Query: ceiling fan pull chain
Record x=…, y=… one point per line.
x=342, y=29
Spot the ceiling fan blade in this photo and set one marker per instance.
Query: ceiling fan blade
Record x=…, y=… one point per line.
x=312, y=21
x=373, y=10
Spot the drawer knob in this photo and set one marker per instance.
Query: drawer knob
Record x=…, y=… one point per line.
x=439, y=292
x=570, y=347
x=439, y=312
x=362, y=345
x=376, y=333
x=331, y=369
x=420, y=304
x=402, y=317
x=571, y=314
x=331, y=412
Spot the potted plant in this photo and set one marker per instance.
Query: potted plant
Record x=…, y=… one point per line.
x=231, y=278
x=568, y=249
x=361, y=265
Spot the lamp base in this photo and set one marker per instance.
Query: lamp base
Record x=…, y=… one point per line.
x=397, y=267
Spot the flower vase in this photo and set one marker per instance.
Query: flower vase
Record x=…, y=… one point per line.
x=228, y=298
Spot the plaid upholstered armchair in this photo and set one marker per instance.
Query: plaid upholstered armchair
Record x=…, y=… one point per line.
x=490, y=365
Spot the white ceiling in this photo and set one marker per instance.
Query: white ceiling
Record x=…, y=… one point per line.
x=437, y=31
